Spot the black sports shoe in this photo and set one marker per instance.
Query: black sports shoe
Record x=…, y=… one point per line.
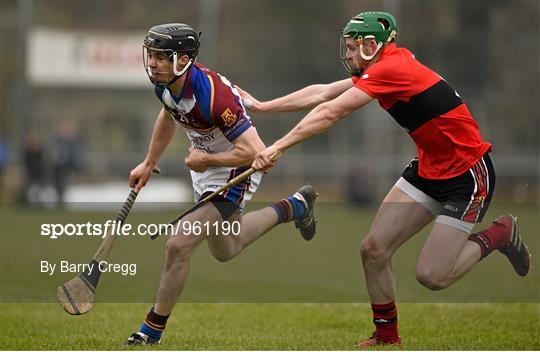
x=515, y=249
x=140, y=339
x=306, y=224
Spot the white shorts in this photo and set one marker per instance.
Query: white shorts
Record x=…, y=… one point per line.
x=216, y=177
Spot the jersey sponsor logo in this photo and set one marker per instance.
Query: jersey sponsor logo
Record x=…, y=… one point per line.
x=364, y=76
x=229, y=118
x=198, y=141
x=204, y=148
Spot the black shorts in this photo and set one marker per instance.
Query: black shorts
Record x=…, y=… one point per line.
x=465, y=198
x=225, y=207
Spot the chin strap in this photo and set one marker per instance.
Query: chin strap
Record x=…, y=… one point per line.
x=379, y=46
x=177, y=73
x=175, y=62
x=369, y=57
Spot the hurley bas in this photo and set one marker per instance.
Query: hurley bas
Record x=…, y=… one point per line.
x=103, y=266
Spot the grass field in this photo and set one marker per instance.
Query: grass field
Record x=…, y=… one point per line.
x=282, y=293
x=274, y=326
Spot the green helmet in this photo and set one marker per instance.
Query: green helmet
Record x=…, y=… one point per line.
x=380, y=25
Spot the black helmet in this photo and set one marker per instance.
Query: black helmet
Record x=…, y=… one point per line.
x=176, y=38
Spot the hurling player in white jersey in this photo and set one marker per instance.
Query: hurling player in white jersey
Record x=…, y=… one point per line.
x=224, y=144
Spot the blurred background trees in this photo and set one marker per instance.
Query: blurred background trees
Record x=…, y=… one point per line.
x=487, y=50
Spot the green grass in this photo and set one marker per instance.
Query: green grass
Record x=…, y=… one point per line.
x=281, y=293
x=274, y=326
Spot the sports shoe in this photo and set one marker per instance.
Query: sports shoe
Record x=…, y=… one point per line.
x=306, y=224
x=375, y=341
x=140, y=339
x=515, y=250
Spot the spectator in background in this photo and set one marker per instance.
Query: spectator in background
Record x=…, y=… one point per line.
x=4, y=155
x=359, y=188
x=34, y=168
x=65, y=156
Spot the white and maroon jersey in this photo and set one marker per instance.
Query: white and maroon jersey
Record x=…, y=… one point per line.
x=210, y=110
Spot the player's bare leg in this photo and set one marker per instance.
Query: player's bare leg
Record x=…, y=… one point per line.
x=446, y=256
x=253, y=225
x=398, y=219
x=179, y=248
x=178, y=251
x=450, y=253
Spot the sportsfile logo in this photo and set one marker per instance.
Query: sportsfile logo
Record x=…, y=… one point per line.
x=110, y=227
x=116, y=228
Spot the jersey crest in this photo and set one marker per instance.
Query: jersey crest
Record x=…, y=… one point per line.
x=229, y=118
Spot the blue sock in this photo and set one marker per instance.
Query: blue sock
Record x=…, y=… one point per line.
x=298, y=207
x=289, y=209
x=151, y=332
x=154, y=324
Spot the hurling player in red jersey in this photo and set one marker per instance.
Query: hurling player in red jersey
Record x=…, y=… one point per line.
x=451, y=180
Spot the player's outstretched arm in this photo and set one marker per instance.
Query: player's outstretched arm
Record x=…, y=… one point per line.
x=316, y=122
x=164, y=131
x=246, y=146
x=305, y=98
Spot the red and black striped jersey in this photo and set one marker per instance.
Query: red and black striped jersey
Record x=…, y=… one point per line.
x=447, y=137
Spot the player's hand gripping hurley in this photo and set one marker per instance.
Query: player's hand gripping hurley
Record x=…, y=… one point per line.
x=208, y=198
x=76, y=296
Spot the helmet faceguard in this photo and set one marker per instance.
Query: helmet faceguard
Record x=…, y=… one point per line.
x=380, y=26
x=174, y=39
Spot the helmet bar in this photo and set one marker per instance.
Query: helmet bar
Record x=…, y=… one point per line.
x=160, y=34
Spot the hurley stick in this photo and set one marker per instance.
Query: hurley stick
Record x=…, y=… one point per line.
x=76, y=296
x=208, y=198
